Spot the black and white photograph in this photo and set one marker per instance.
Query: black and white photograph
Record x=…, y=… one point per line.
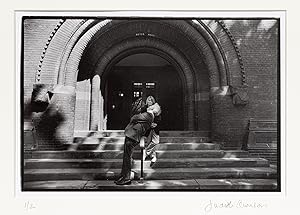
x=145, y=102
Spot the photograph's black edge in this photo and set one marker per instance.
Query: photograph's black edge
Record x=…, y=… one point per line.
x=22, y=102
x=152, y=190
x=150, y=18
x=147, y=18
x=279, y=109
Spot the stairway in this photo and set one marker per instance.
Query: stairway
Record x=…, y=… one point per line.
x=186, y=160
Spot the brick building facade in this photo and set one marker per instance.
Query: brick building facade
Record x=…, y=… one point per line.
x=217, y=74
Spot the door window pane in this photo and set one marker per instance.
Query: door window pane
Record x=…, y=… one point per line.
x=150, y=85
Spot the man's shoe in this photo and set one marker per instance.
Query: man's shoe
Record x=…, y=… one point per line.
x=119, y=179
x=124, y=181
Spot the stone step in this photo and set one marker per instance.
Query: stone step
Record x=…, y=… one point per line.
x=120, y=133
x=185, y=133
x=114, y=154
x=192, y=184
x=271, y=159
x=161, y=163
x=120, y=140
x=272, y=145
x=263, y=150
x=151, y=174
x=264, y=154
x=119, y=146
x=237, y=184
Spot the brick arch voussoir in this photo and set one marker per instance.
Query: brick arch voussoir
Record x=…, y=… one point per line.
x=145, y=44
x=58, y=47
x=72, y=64
x=180, y=27
x=207, y=45
x=237, y=54
x=73, y=58
x=216, y=49
x=212, y=57
x=223, y=42
x=46, y=50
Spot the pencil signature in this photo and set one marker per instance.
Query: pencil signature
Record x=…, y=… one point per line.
x=28, y=205
x=241, y=204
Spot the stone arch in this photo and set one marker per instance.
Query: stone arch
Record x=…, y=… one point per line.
x=75, y=34
x=153, y=46
x=220, y=36
x=200, y=39
x=91, y=35
x=216, y=75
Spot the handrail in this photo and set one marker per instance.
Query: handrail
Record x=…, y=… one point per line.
x=142, y=146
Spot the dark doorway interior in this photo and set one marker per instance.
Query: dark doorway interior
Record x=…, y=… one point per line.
x=141, y=75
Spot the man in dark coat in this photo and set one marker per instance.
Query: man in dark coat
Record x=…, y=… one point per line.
x=139, y=124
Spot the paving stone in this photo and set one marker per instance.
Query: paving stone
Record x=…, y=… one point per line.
x=237, y=184
x=55, y=185
x=150, y=174
x=145, y=185
x=177, y=185
x=161, y=163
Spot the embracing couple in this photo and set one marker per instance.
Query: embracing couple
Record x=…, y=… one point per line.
x=143, y=122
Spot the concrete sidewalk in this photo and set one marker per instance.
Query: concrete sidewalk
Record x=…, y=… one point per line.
x=174, y=185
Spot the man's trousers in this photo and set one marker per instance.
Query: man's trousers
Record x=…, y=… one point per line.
x=127, y=155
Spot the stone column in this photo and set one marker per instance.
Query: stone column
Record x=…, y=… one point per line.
x=95, y=103
x=101, y=112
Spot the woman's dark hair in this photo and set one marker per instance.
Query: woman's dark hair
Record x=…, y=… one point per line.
x=138, y=106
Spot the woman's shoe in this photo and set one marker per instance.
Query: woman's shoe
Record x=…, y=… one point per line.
x=153, y=160
x=145, y=155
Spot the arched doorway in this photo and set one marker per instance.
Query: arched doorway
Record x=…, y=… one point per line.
x=200, y=59
x=140, y=75
x=103, y=49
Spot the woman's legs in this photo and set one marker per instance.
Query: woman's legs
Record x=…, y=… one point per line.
x=153, y=140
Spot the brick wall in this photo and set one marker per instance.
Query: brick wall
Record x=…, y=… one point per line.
x=36, y=34
x=257, y=42
x=229, y=122
x=45, y=42
x=255, y=39
x=227, y=46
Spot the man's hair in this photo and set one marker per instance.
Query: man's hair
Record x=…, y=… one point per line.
x=137, y=106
